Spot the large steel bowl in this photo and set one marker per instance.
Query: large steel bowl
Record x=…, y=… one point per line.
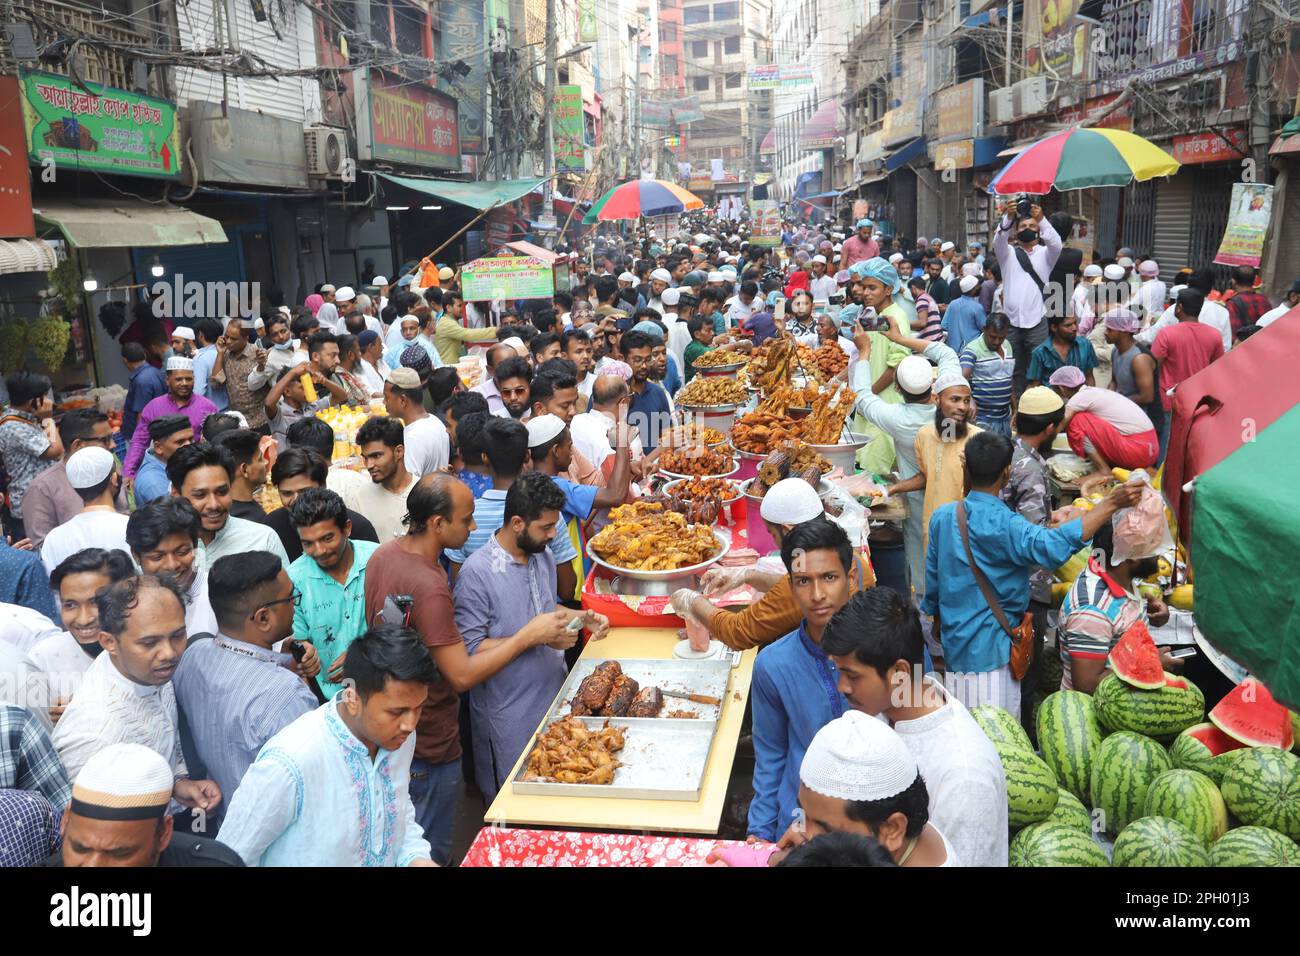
x=844, y=455
x=666, y=581
x=735, y=467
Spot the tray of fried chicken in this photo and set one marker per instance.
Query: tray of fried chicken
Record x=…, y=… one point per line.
x=635, y=689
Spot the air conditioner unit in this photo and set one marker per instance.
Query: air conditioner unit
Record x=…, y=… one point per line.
x=327, y=151
x=1002, y=105
x=1031, y=96
x=1204, y=92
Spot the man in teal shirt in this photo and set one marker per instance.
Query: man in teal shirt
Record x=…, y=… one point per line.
x=331, y=576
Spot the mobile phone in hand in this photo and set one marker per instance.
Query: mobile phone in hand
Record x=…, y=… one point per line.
x=1179, y=653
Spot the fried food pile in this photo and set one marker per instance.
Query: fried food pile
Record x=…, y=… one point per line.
x=771, y=365
x=608, y=692
x=568, y=752
x=700, y=500
x=712, y=391
x=780, y=400
x=715, y=357
x=697, y=461
x=759, y=431
x=683, y=436
x=790, y=460
x=830, y=360
x=707, y=487
x=644, y=536
x=825, y=423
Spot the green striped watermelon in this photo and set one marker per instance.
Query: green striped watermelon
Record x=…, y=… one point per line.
x=1070, y=812
x=1069, y=735
x=1158, y=841
x=1052, y=844
x=1295, y=730
x=1254, y=846
x=1001, y=727
x=1192, y=799
x=1122, y=772
x=1161, y=713
x=1198, y=748
x=1261, y=786
x=1031, y=786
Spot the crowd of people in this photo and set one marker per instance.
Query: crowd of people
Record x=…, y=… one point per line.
x=231, y=648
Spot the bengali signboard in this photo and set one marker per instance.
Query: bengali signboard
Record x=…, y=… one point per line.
x=656, y=113
x=902, y=123
x=765, y=223
x=958, y=155
x=507, y=277
x=407, y=123
x=1211, y=147
x=462, y=37
x=779, y=76
x=570, y=151
x=959, y=110
x=98, y=128
x=1248, y=216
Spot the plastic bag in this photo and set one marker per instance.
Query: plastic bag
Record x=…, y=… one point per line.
x=843, y=509
x=1141, y=531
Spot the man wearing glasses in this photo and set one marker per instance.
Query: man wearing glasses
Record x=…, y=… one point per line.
x=235, y=691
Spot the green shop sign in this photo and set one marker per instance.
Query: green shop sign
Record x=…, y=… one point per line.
x=98, y=128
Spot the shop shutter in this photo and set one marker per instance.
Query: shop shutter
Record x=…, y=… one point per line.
x=214, y=263
x=1139, y=216
x=1106, y=228
x=1213, y=189
x=1173, y=218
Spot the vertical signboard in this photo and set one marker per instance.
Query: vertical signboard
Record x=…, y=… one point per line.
x=15, y=186
x=463, y=38
x=586, y=21
x=570, y=150
x=1248, y=216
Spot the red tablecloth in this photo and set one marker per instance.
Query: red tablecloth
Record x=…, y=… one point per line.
x=504, y=846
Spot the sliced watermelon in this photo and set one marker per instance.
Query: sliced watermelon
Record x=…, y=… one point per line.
x=1249, y=713
x=1214, y=739
x=1136, y=660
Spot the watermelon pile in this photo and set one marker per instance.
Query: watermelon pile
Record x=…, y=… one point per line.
x=1221, y=793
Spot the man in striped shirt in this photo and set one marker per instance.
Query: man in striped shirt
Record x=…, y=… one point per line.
x=1101, y=605
x=989, y=365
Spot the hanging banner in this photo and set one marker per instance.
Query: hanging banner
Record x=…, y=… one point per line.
x=462, y=38
x=686, y=110
x=765, y=223
x=587, y=21
x=105, y=129
x=1055, y=39
x=570, y=150
x=777, y=76
x=656, y=113
x=507, y=277
x=1243, y=240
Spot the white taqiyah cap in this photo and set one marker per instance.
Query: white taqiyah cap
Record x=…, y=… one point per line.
x=1092, y=271
x=896, y=258
x=661, y=275
x=819, y=258
x=947, y=246
x=967, y=282
x=183, y=332
x=627, y=277
x=950, y=380
x=859, y=758
x=326, y=288
x=1113, y=272
x=516, y=343
x=543, y=428
x=970, y=268
x=716, y=277
x=88, y=466
x=791, y=501
x=1149, y=267
x=838, y=247
x=179, y=363
x=670, y=296
x=123, y=782
x=1125, y=262
x=914, y=375
x=379, y=281
x=345, y=294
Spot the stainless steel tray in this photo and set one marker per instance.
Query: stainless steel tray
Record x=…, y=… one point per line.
x=709, y=678
x=662, y=760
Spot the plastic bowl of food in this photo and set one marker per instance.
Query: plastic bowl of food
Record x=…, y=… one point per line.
x=677, y=476
x=665, y=581
x=729, y=503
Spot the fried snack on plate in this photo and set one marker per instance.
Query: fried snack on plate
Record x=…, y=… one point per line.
x=643, y=536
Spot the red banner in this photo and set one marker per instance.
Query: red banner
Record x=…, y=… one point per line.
x=1211, y=147
x=15, y=186
x=412, y=123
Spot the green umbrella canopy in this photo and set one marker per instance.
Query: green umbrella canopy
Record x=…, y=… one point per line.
x=1244, y=554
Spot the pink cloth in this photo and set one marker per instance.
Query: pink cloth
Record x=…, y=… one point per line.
x=855, y=250
x=1127, y=451
x=313, y=302
x=507, y=846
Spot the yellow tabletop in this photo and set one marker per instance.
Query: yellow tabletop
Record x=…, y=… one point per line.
x=612, y=813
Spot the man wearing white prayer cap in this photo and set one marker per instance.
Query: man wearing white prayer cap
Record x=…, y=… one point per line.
x=93, y=473
x=182, y=342
x=858, y=776
x=660, y=281
x=965, y=318
x=118, y=817
x=1151, y=291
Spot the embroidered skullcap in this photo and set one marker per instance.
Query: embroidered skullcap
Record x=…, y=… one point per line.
x=858, y=758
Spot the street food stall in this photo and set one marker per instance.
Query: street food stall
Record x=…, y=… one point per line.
x=559, y=263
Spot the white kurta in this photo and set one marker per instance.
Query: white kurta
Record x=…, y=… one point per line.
x=110, y=708
x=964, y=777
x=63, y=662
x=314, y=797
x=24, y=628
x=199, y=616
x=89, y=529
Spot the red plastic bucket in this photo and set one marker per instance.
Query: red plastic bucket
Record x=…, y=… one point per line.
x=759, y=538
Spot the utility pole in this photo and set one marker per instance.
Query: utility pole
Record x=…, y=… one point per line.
x=548, y=108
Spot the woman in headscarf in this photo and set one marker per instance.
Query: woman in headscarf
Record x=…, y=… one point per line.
x=313, y=302
x=401, y=336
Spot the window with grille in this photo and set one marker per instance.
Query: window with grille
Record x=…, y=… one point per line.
x=731, y=45
x=700, y=49
x=693, y=15
x=733, y=81
x=668, y=32
x=700, y=83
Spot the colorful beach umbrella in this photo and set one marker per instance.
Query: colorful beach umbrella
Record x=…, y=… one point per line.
x=1080, y=159
x=642, y=197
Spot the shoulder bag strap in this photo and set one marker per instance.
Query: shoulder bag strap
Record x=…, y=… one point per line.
x=1028, y=266
x=984, y=586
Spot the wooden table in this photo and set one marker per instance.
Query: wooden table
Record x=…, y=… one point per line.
x=613, y=813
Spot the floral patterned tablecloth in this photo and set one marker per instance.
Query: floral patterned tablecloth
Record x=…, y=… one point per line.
x=505, y=846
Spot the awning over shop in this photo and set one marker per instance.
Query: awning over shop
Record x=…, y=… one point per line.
x=987, y=150
x=822, y=128
x=478, y=195
x=26, y=255
x=768, y=146
x=537, y=252
x=122, y=223
x=905, y=154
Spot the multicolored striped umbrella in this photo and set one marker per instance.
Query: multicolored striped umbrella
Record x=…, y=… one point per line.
x=642, y=197
x=1082, y=158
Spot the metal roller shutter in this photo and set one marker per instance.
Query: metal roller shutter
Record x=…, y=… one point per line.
x=1173, y=218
